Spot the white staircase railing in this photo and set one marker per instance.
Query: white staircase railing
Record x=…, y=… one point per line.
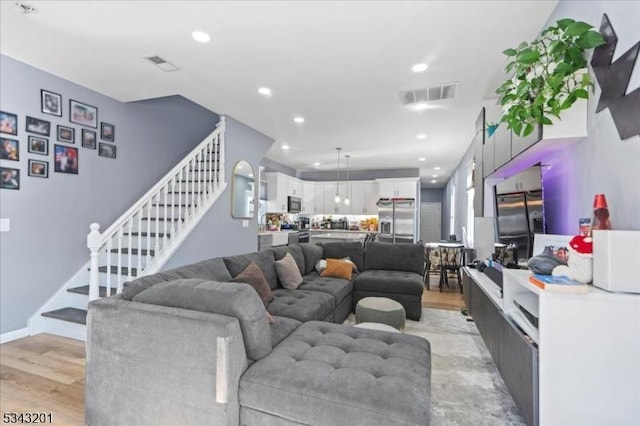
x=142, y=240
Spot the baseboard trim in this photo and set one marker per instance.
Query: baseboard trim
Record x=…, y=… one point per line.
x=14, y=335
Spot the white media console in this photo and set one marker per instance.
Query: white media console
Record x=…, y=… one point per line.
x=579, y=366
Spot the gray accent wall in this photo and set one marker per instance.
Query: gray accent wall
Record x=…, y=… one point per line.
x=50, y=218
x=322, y=176
x=219, y=234
x=428, y=195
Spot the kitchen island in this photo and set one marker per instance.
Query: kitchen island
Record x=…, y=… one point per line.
x=331, y=235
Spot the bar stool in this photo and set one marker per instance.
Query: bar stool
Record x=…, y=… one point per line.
x=450, y=257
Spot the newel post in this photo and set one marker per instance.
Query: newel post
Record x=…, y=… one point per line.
x=94, y=241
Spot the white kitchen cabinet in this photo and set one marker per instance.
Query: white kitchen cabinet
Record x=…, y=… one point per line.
x=364, y=196
x=397, y=188
x=279, y=187
x=309, y=198
x=330, y=206
x=528, y=180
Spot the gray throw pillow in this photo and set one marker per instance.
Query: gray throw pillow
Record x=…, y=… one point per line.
x=253, y=276
x=236, y=300
x=288, y=272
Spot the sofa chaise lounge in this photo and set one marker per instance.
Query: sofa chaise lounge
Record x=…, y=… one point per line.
x=186, y=346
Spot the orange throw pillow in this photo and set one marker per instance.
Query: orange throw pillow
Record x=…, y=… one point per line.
x=338, y=268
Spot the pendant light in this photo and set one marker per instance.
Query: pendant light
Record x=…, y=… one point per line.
x=337, y=199
x=347, y=200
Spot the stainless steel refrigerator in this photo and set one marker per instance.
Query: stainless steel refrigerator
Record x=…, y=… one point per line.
x=397, y=220
x=519, y=217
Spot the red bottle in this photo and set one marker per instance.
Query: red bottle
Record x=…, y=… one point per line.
x=600, y=213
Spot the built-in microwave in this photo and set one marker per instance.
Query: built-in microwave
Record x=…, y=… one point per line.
x=294, y=204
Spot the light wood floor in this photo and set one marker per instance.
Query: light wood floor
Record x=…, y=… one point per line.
x=45, y=373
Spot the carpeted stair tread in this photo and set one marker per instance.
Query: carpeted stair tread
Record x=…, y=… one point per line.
x=78, y=316
x=123, y=270
x=85, y=290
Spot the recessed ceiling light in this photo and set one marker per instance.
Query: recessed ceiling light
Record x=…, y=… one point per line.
x=201, y=36
x=264, y=91
x=422, y=159
x=250, y=174
x=436, y=168
x=299, y=120
x=434, y=175
x=317, y=163
x=433, y=181
x=421, y=136
x=420, y=106
x=285, y=146
x=419, y=67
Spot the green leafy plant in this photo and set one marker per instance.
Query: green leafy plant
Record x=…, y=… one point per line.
x=549, y=75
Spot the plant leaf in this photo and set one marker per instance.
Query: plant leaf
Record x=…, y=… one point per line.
x=528, y=129
x=517, y=127
x=563, y=68
x=510, y=52
x=581, y=93
x=546, y=120
x=556, y=46
x=590, y=39
x=528, y=56
x=564, y=23
x=577, y=28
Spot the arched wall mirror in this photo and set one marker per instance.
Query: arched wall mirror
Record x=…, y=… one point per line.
x=243, y=191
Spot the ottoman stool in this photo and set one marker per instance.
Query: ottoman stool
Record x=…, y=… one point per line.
x=381, y=310
x=377, y=326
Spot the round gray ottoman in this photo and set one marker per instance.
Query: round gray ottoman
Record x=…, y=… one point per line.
x=377, y=326
x=381, y=310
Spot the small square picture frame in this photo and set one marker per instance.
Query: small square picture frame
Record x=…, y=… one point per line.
x=38, y=168
x=37, y=145
x=9, y=149
x=65, y=159
x=8, y=123
x=38, y=126
x=89, y=139
x=9, y=178
x=107, y=132
x=66, y=134
x=50, y=103
x=107, y=150
x=83, y=114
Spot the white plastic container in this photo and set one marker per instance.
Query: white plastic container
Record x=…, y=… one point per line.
x=616, y=256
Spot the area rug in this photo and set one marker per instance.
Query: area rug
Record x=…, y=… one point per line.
x=466, y=387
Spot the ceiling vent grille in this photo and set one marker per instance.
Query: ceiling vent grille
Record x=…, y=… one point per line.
x=430, y=94
x=161, y=63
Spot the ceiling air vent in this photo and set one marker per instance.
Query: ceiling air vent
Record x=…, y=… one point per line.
x=161, y=63
x=430, y=94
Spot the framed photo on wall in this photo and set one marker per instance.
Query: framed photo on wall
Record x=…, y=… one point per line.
x=88, y=139
x=37, y=126
x=38, y=145
x=66, y=134
x=107, y=132
x=8, y=123
x=84, y=114
x=107, y=150
x=51, y=103
x=39, y=168
x=10, y=149
x=10, y=178
x=66, y=159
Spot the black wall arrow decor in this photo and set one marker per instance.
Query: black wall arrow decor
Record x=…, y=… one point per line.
x=614, y=77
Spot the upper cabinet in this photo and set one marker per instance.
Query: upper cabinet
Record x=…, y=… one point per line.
x=528, y=180
x=309, y=198
x=279, y=187
x=364, y=196
x=398, y=188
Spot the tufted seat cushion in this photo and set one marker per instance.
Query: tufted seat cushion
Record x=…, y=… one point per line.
x=336, y=287
x=329, y=374
x=302, y=305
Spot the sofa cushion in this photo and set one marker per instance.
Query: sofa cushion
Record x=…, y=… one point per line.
x=295, y=251
x=336, y=287
x=211, y=269
x=236, y=300
x=253, y=276
x=334, y=374
x=288, y=272
x=264, y=260
x=340, y=250
x=302, y=305
x=338, y=268
x=394, y=257
x=398, y=282
x=312, y=253
x=281, y=328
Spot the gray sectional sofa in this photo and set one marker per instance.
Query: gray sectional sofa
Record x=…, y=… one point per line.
x=186, y=346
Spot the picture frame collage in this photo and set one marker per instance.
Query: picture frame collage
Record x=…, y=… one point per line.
x=39, y=131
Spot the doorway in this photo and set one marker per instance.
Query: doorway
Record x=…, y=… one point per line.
x=430, y=221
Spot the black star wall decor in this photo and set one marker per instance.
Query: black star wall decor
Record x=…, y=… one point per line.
x=613, y=77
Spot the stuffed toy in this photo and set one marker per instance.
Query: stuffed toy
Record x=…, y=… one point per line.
x=580, y=264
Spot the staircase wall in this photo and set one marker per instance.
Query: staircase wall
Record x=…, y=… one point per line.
x=218, y=234
x=50, y=217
